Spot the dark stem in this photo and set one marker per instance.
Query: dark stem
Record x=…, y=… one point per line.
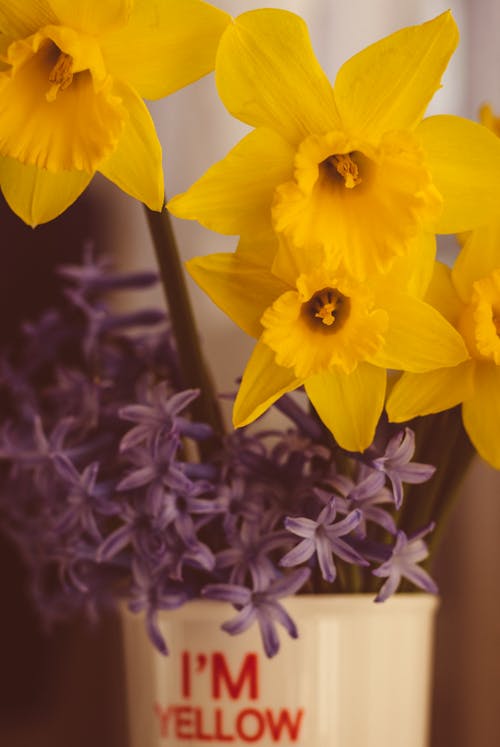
x=194, y=372
x=441, y=436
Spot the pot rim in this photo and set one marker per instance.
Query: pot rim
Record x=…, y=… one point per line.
x=312, y=605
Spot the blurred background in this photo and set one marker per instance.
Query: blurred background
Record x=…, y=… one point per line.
x=65, y=689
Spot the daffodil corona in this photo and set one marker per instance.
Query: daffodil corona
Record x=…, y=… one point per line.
x=73, y=76
x=319, y=328
x=351, y=169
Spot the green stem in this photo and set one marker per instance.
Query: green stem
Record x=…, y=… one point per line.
x=194, y=371
x=442, y=440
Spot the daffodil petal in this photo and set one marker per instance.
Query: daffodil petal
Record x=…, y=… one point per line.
x=481, y=413
x=414, y=271
x=349, y=405
x=20, y=18
x=388, y=85
x=37, y=195
x=92, y=16
x=241, y=289
x=165, y=45
x=259, y=249
x=418, y=338
x=464, y=159
x=234, y=196
x=478, y=258
x=262, y=384
x=426, y=393
x=136, y=164
x=442, y=295
x=291, y=261
x=267, y=75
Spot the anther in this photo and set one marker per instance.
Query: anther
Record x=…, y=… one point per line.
x=61, y=75
x=347, y=168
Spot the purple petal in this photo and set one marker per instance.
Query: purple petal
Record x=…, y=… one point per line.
x=397, y=487
x=302, y=527
x=416, y=472
x=325, y=559
x=388, y=588
x=289, y=583
x=136, y=413
x=134, y=437
x=113, y=544
x=231, y=593
x=154, y=633
x=344, y=526
x=381, y=517
x=422, y=579
x=269, y=635
x=299, y=554
x=347, y=553
x=66, y=469
x=241, y=622
x=137, y=479
x=369, y=486
x=279, y=613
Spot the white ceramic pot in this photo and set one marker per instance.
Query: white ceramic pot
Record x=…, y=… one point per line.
x=358, y=676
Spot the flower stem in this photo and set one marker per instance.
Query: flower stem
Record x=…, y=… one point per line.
x=194, y=371
x=440, y=438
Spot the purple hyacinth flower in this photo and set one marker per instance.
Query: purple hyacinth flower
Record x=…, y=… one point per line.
x=397, y=465
x=84, y=501
x=366, y=494
x=93, y=275
x=403, y=563
x=322, y=538
x=158, y=416
x=248, y=554
x=260, y=605
x=236, y=501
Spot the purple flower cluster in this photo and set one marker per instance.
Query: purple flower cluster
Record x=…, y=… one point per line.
x=100, y=494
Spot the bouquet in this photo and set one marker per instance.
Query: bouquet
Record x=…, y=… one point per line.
x=121, y=479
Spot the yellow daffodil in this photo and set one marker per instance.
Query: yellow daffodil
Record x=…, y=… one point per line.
x=318, y=327
x=72, y=79
x=351, y=168
x=469, y=296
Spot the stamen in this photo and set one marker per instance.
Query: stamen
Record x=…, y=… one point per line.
x=347, y=168
x=329, y=306
x=326, y=306
x=61, y=76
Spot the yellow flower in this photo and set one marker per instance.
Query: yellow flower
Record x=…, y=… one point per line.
x=351, y=169
x=488, y=119
x=72, y=79
x=318, y=327
x=469, y=296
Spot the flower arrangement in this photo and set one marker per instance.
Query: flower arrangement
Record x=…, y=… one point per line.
x=120, y=478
